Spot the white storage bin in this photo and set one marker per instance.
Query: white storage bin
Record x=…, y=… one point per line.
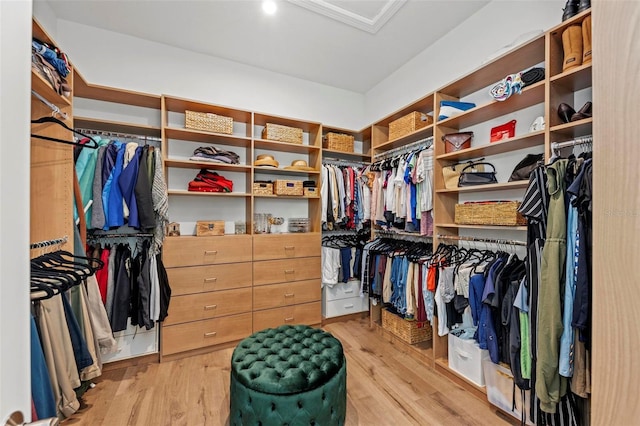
x=465, y=357
x=499, y=382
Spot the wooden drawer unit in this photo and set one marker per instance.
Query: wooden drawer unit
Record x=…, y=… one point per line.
x=195, y=251
x=196, y=279
x=307, y=313
x=194, y=307
x=286, y=270
x=342, y=290
x=268, y=247
x=199, y=334
x=285, y=294
x=339, y=307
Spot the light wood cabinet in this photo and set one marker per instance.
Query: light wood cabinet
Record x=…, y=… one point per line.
x=307, y=313
x=284, y=246
x=195, y=307
x=285, y=294
x=195, y=251
x=284, y=270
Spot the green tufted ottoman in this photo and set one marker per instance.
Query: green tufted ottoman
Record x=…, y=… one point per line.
x=290, y=375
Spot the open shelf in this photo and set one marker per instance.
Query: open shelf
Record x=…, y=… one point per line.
x=518, y=59
x=44, y=89
x=575, y=79
x=492, y=227
x=263, y=119
x=300, y=197
x=180, y=105
x=208, y=194
x=424, y=104
x=346, y=155
x=82, y=89
x=526, y=141
x=206, y=137
x=272, y=170
x=115, y=126
x=414, y=136
x=530, y=96
x=574, y=129
x=188, y=164
x=285, y=146
x=491, y=187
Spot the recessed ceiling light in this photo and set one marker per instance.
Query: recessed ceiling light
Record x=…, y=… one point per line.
x=269, y=7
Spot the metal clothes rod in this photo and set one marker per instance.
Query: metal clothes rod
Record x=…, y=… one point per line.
x=482, y=240
x=99, y=236
x=407, y=236
x=339, y=162
x=413, y=146
x=49, y=243
x=577, y=141
x=54, y=108
x=119, y=135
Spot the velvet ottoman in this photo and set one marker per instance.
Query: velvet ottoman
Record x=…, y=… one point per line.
x=290, y=375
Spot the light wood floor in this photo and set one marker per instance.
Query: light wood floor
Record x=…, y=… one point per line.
x=384, y=387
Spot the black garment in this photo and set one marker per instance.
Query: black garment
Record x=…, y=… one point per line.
x=122, y=289
x=142, y=191
x=165, y=289
x=144, y=287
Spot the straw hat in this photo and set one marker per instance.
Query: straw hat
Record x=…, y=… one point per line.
x=299, y=165
x=266, y=160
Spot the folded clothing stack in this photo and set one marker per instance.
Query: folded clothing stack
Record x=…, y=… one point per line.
x=208, y=181
x=308, y=184
x=215, y=155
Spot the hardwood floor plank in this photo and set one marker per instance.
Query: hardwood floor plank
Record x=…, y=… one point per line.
x=385, y=386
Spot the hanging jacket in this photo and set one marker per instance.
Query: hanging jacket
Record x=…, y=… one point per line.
x=122, y=290
x=165, y=288
x=108, y=165
x=142, y=191
x=115, y=216
x=127, y=182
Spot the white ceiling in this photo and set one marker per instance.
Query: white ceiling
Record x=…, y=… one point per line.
x=350, y=44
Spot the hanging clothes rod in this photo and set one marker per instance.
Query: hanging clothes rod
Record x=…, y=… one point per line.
x=577, y=141
x=49, y=243
x=52, y=107
x=413, y=146
x=120, y=135
x=407, y=236
x=340, y=162
x=482, y=240
x=137, y=235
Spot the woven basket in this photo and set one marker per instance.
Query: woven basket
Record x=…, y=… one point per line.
x=278, y=132
x=262, y=188
x=338, y=142
x=311, y=192
x=288, y=187
x=408, y=124
x=208, y=122
x=489, y=213
x=406, y=330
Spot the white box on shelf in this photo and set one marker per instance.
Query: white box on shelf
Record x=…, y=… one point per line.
x=465, y=357
x=499, y=386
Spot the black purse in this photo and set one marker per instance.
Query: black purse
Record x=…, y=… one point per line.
x=468, y=177
x=523, y=169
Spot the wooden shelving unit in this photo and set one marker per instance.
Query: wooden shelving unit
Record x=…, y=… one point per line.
x=207, y=194
x=508, y=145
x=490, y=227
x=206, y=137
x=188, y=164
x=489, y=187
x=116, y=126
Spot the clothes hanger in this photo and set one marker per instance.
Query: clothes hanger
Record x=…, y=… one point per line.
x=92, y=143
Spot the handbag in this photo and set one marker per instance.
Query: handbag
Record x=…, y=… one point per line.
x=523, y=169
x=451, y=174
x=469, y=177
x=456, y=141
x=504, y=131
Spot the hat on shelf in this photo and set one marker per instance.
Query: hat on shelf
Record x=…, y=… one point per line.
x=266, y=160
x=299, y=165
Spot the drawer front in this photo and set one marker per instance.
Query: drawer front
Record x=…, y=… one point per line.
x=194, y=251
x=286, y=270
x=194, y=307
x=285, y=294
x=268, y=247
x=199, y=334
x=352, y=305
x=342, y=290
x=196, y=279
x=308, y=313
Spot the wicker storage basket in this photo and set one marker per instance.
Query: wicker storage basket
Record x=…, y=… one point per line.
x=409, y=123
x=489, y=213
x=406, y=330
x=278, y=132
x=338, y=142
x=209, y=122
x=288, y=187
x=262, y=188
x=310, y=192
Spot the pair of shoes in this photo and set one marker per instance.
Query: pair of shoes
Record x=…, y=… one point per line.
x=573, y=7
x=576, y=43
x=567, y=113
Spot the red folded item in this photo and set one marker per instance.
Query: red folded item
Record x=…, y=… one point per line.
x=204, y=187
x=208, y=181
